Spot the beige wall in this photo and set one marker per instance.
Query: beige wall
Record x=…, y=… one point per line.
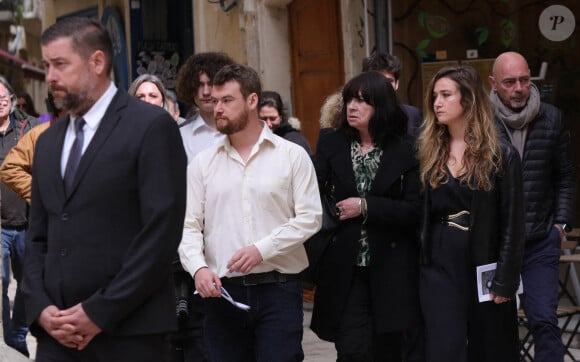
x=255, y=32
x=215, y=30
x=356, y=27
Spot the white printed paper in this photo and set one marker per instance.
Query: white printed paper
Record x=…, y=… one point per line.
x=485, y=274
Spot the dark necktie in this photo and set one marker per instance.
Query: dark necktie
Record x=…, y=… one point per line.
x=75, y=154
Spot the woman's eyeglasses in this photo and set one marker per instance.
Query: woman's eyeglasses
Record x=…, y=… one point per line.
x=269, y=118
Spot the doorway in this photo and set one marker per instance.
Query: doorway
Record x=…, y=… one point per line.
x=317, y=59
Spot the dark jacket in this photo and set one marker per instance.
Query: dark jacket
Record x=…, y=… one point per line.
x=109, y=244
x=414, y=119
x=393, y=215
x=496, y=230
x=286, y=131
x=14, y=209
x=548, y=173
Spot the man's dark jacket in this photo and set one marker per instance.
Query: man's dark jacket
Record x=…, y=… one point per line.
x=110, y=243
x=549, y=176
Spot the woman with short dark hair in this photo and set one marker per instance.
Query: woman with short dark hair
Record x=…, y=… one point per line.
x=367, y=278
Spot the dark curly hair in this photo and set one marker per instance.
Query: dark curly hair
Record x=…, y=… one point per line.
x=188, y=76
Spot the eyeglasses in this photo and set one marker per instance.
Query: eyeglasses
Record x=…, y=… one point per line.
x=269, y=118
x=510, y=82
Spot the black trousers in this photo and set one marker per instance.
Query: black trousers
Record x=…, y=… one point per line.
x=356, y=340
x=457, y=327
x=105, y=348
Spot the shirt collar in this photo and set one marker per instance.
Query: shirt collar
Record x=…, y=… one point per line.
x=266, y=137
x=199, y=123
x=97, y=111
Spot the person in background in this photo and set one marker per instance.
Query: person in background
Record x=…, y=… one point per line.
x=194, y=85
x=97, y=278
x=472, y=215
x=149, y=88
x=539, y=133
x=252, y=201
x=16, y=170
x=272, y=112
x=26, y=104
x=367, y=283
x=330, y=111
x=14, y=124
x=390, y=66
x=173, y=106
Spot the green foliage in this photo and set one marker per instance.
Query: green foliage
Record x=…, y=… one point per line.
x=508, y=30
x=420, y=49
x=482, y=34
x=421, y=18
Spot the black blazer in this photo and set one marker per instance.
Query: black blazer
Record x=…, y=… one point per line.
x=110, y=243
x=393, y=217
x=414, y=119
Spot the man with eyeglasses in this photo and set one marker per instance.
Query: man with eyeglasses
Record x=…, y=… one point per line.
x=538, y=132
x=13, y=125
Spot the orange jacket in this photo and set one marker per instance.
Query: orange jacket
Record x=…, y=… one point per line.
x=16, y=170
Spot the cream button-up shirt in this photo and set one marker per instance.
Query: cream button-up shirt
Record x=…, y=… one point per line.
x=271, y=201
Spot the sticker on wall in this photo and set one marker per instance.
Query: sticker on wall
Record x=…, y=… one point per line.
x=557, y=23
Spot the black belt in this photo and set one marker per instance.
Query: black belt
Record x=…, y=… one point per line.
x=261, y=278
x=17, y=228
x=459, y=220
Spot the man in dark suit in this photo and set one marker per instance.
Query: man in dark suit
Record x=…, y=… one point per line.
x=390, y=66
x=107, y=209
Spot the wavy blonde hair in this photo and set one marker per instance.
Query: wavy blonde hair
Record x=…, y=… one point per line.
x=482, y=157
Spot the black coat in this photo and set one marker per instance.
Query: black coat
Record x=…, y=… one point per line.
x=393, y=217
x=549, y=175
x=110, y=243
x=414, y=119
x=496, y=230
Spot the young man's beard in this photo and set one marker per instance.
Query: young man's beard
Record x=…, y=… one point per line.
x=228, y=126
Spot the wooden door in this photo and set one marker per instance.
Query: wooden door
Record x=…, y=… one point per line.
x=317, y=59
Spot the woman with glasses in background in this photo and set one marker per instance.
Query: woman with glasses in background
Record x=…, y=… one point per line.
x=272, y=112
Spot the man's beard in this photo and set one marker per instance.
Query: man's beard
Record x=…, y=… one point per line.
x=228, y=126
x=77, y=102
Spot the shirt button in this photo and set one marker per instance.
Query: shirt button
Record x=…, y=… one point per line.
x=64, y=217
x=63, y=252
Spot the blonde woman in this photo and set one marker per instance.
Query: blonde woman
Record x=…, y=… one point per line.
x=149, y=88
x=472, y=215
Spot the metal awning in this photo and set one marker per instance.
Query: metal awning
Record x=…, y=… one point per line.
x=27, y=67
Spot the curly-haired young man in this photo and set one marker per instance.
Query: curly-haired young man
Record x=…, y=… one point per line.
x=194, y=84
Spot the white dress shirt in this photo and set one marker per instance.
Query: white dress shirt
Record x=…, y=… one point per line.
x=92, y=118
x=271, y=201
x=198, y=136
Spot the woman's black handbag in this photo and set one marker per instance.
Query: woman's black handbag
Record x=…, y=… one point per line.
x=317, y=244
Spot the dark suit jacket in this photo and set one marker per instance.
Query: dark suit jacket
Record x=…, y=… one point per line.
x=393, y=217
x=110, y=243
x=414, y=119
